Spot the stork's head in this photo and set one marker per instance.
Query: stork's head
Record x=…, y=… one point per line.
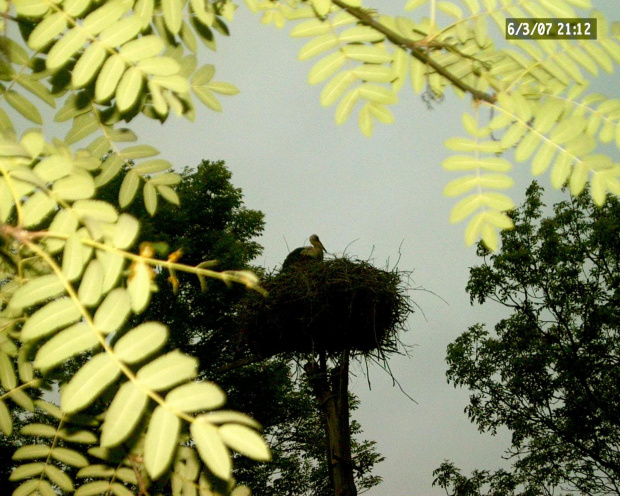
x=316, y=242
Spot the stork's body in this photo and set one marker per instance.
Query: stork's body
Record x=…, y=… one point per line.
x=306, y=253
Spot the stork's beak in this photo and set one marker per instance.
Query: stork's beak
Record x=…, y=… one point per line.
x=322, y=247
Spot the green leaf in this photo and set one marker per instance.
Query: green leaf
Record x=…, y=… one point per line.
x=547, y=115
x=88, y=65
x=105, y=16
x=8, y=379
x=128, y=188
x=108, y=78
x=22, y=399
x=152, y=166
x=89, y=382
x=23, y=106
x=450, y=9
x=168, y=370
x=365, y=122
x=360, y=34
x=176, y=83
x=73, y=436
x=311, y=28
x=230, y=416
x=165, y=179
x=211, y=448
x=31, y=84
x=83, y=125
x=346, y=106
x=206, y=97
x=469, y=145
x=196, y=397
x=159, y=66
x=321, y=7
x=129, y=89
x=173, y=14
x=64, y=224
x=37, y=291
x=74, y=257
x=66, y=344
x=161, y=441
x=326, y=67
x=30, y=486
x=53, y=316
x=32, y=451
x=75, y=187
x=6, y=421
x=467, y=183
x=139, y=286
x=39, y=430
x=138, y=151
x=31, y=8
x=96, y=210
x=141, y=342
x=113, y=311
x=373, y=54
x=336, y=87
x=126, y=231
x=203, y=75
x=123, y=415
x=567, y=129
x=109, y=169
x=245, y=441
x=143, y=48
x=59, y=478
x=150, y=198
x=468, y=162
x=374, y=73
x=93, y=488
x=75, y=8
x=168, y=194
x=113, y=264
x=377, y=94
x=27, y=471
x=47, y=30
x=121, y=31
x=65, y=48
x=318, y=45
x=223, y=88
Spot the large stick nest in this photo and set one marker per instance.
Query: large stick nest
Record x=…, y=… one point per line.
x=327, y=306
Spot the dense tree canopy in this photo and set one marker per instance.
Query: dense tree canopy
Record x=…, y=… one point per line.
x=551, y=370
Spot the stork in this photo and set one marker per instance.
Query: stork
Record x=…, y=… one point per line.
x=306, y=253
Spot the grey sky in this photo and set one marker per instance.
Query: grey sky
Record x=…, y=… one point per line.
x=373, y=196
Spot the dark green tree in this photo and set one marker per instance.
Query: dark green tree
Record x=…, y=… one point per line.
x=551, y=371
x=212, y=224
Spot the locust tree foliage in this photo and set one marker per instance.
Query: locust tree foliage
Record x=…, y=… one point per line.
x=527, y=97
x=72, y=276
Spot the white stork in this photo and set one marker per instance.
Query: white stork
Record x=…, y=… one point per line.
x=306, y=253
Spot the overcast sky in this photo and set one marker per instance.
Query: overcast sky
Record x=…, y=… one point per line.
x=373, y=197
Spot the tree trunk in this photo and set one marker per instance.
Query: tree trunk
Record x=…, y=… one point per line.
x=332, y=393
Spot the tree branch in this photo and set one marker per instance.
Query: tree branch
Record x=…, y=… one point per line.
x=411, y=46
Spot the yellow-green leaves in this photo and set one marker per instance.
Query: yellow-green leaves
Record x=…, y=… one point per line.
x=487, y=206
x=245, y=441
x=124, y=414
x=167, y=371
x=196, y=397
x=141, y=342
x=37, y=290
x=161, y=441
x=211, y=448
x=89, y=382
x=53, y=316
x=358, y=81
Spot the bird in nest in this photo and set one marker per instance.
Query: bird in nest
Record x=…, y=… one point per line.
x=306, y=253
